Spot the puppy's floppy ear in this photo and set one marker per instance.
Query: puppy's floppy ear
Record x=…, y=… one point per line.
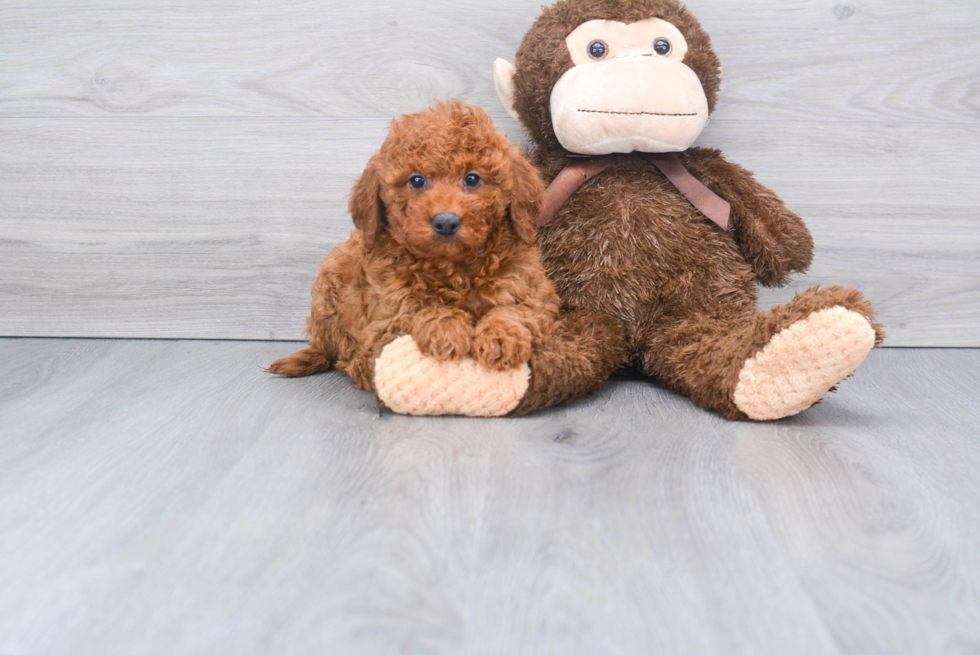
x=527, y=197
x=366, y=207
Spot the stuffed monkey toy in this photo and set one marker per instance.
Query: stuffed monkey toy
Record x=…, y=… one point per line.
x=655, y=247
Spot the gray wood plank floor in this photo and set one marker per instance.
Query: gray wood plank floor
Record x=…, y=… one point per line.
x=161, y=497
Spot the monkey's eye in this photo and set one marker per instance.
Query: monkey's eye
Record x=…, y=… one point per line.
x=417, y=182
x=598, y=49
x=662, y=47
x=472, y=180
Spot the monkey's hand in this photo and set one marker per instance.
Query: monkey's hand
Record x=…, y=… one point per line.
x=773, y=240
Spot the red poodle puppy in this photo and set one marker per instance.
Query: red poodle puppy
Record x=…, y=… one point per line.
x=443, y=252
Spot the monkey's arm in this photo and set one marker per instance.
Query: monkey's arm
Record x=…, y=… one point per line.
x=772, y=239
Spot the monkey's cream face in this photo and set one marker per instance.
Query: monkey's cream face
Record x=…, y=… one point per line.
x=628, y=91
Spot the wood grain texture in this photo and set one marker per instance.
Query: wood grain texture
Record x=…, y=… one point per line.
x=788, y=60
x=169, y=497
x=178, y=169
x=204, y=229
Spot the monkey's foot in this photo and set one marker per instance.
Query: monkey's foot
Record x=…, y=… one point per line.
x=802, y=362
x=408, y=382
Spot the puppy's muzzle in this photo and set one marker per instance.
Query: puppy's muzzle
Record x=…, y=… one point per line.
x=446, y=224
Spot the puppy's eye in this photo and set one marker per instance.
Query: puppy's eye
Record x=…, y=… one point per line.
x=417, y=182
x=662, y=47
x=598, y=49
x=472, y=180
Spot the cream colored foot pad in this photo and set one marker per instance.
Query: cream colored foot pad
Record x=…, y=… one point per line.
x=802, y=362
x=408, y=382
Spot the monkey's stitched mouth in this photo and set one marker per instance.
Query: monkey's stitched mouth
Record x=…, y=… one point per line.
x=632, y=113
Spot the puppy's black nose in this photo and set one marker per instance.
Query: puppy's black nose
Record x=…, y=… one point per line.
x=446, y=224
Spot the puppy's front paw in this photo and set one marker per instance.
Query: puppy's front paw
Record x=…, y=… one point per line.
x=501, y=344
x=444, y=338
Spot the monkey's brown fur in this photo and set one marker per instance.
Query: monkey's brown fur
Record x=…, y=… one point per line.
x=482, y=293
x=630, y=246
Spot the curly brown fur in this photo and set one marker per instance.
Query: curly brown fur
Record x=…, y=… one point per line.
x=480, y=292
x=630, y=245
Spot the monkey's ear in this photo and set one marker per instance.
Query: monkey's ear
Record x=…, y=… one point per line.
x=503, y=80
x=526, y=198
x=366, y=207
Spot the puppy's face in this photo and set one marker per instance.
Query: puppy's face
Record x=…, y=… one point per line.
x=447, y=181
x=445, y=209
